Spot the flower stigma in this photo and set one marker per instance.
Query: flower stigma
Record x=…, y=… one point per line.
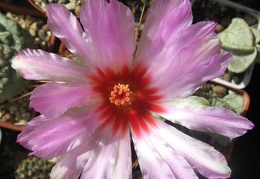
x=121, y=95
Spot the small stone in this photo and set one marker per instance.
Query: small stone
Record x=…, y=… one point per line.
x=220, y=91
x=49, y=33
x=41, y=34
x=47, y=38
x=37, y=40
x=227, y=77
x=43, y=45
x=43, y=5
x=6, y=117
x=219, y=28
x=70, y=6
x=32, y=32
x=45, y=27
x=62, y=1
x=29, y=19
x=34, y=26
x=9, y=15
x=23, y=24
x=77, y=10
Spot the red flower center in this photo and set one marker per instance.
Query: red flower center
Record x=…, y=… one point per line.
x=128, y=99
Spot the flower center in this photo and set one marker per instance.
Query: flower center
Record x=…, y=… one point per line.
x=121, y=95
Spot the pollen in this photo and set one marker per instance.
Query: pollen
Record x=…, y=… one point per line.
x=121, y=95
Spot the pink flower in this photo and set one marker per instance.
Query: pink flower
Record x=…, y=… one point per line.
x=114, y=93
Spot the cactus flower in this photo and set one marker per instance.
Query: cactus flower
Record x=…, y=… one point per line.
x=117, y=94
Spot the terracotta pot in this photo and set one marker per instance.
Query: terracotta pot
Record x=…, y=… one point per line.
x=19, y=10
x=39, y=9
x=11, y=126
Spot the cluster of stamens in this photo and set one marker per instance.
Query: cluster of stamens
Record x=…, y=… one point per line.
x=120, y=95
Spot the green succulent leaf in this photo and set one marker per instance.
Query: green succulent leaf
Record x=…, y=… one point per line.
x=236, y=101
x=12, y=40
x=219, y=102
x=237, y=36
x=5, y=37
x=232, y=101
x=256, y=33
x=241, y=61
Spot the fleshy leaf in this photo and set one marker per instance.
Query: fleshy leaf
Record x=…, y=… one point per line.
x=256, y=33
x=241, y=61
x=236, y=101
x=232, y=101
x=232, y=39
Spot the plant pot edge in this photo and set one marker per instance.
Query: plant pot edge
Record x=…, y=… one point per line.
x=249, y=71
x=242, y=92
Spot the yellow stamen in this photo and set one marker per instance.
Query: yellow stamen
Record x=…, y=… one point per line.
x=121, y=95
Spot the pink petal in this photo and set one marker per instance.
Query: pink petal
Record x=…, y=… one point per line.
x=194, y=65
x=164, y=22
x=169, y=41
x=67, y=28
x=71, y=164
x=41, y=65
x=50, y=137
x=105, y=42
x=89, y=158
x=201, y=156
x=123, y=166
x=53, y=99
x=117, y=164
x=207, y=119
x=157, y=159
x=110, y=29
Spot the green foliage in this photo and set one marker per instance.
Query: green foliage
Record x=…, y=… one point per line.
x=12, y=40
x=232, y=101
x=242, y=40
